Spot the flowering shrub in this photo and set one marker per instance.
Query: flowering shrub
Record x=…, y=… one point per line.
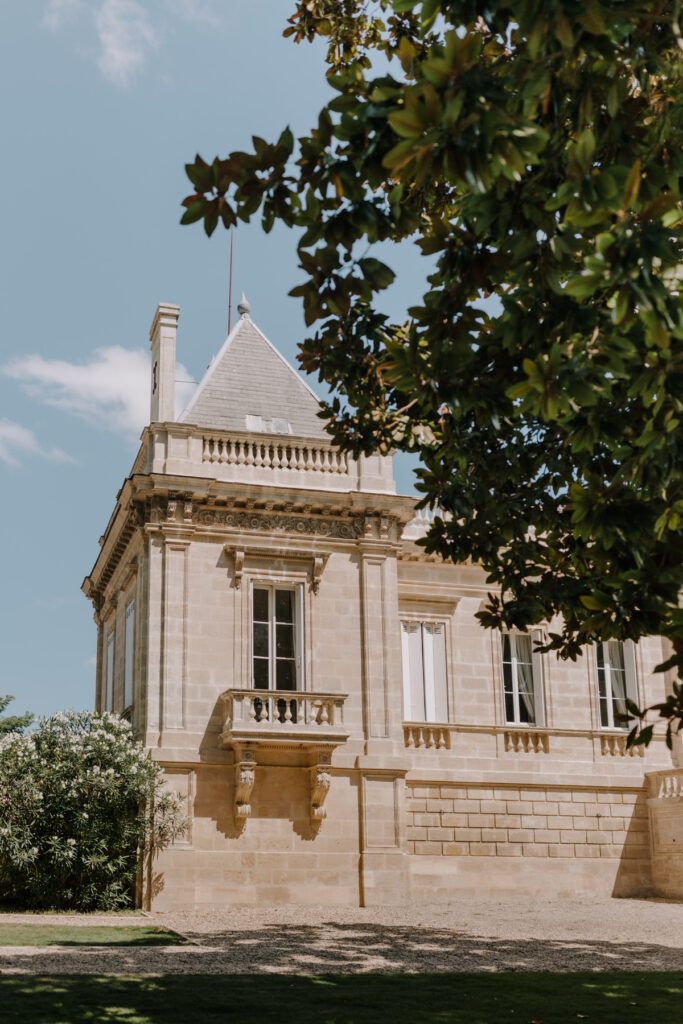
x=80, y=804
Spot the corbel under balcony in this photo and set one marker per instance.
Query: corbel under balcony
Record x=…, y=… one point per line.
x=307, y=724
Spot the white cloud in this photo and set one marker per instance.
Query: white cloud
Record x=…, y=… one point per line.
x=59, y=12
x=16, y=442
x=111, y=390
x=128, y=31
x=126, y=36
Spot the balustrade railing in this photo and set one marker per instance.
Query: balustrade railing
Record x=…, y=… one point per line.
x=273, y=711
x=268, y=453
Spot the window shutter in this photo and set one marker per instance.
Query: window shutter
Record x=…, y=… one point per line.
x=537, y=671
x=434, y=647
x=413, y=680
x=130, y=648
x=630, y=667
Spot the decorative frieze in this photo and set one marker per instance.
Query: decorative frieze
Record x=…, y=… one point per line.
x=279, y=523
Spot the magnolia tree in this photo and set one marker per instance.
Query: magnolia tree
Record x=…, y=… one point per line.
x=534, y=152
x=80, y=804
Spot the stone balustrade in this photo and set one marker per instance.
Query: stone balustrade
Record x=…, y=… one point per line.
x=666, y=785
x=421, y=734
x=303, y=718
x=422, y=521
x=615, y=745
x=270, y=453
x=251, y=457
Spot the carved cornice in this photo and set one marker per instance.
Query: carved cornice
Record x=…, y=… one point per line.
x=270, y=522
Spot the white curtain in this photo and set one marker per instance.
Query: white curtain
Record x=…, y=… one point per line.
x=434, y=651
x=413, y=678
x=525, y=676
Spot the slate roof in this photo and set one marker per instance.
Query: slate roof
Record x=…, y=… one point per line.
x=249, y=377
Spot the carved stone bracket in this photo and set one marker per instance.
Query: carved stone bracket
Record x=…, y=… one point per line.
x=321, y=780
x=244, y=783
x=238, y=567
x=319, y=563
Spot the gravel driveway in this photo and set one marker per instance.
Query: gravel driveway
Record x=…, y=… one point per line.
x=472, y=934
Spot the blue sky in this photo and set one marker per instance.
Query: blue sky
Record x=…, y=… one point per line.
x=105, y=101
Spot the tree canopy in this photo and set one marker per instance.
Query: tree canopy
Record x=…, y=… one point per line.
x=534, y=151
x=12, y=723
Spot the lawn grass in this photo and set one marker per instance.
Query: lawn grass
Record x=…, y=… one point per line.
x=518, y=998
x=12, y=934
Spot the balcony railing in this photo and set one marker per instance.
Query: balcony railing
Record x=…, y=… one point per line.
x=299, y=718
x=269, y=453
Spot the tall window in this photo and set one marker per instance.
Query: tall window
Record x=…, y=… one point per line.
x=130, y=650
x=616, y=663
x=424, y=672
x=522, y=680
x=109, y=681
x=276, y=638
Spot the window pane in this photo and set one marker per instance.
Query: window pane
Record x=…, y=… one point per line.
x=261, y=673
x=615, y=654
x=507, y=676
x=506, y=647
x=285, y=676
x=284, y=641
x=260, y=639
x=523, y=648
x=604, y=714
x=260, y=605
x=284, y=605
x=509, y=707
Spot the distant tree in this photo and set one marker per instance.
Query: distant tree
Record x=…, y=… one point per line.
x=534, y=151
x=12, y=723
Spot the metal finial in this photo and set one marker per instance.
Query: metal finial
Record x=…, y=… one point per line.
x=244, y=306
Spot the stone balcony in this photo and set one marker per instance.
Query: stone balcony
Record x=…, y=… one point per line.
x=308, y=724
x=289, y=719
x=180, y=449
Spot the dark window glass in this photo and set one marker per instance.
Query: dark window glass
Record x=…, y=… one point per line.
x=506, y=647
x=285, y=679
x=261, y=673
x=260, y=639
x=284, y=605
x=284, y=641
x=260, y=605
x=604, y=714
x=509, y=707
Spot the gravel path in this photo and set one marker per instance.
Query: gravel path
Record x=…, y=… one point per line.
x=472, y=934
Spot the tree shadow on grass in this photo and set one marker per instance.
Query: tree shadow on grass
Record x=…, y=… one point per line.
x=614, y=998
x=354, y=949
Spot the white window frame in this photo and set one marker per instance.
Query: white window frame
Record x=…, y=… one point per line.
x=272, y=586
x=129, y=654
x=109, y=663
x=630, y=682
x=431, y=700
x=536, y=679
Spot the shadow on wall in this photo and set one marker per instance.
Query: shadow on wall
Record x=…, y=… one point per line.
x=634, y=873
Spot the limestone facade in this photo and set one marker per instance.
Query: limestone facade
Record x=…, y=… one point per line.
x=320, y=691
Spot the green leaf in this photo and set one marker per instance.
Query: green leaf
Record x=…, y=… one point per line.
x=406, y=123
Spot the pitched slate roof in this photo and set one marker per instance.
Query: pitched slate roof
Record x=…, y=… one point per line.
x=249, y=377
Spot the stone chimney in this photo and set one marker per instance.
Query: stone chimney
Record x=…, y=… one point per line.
x=162, y=336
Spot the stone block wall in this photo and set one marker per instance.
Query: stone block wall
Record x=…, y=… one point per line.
x=542, y=822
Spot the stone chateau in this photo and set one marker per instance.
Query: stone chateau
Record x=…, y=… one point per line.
x=320, y=691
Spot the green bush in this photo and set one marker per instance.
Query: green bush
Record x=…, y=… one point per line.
x=80, y=805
